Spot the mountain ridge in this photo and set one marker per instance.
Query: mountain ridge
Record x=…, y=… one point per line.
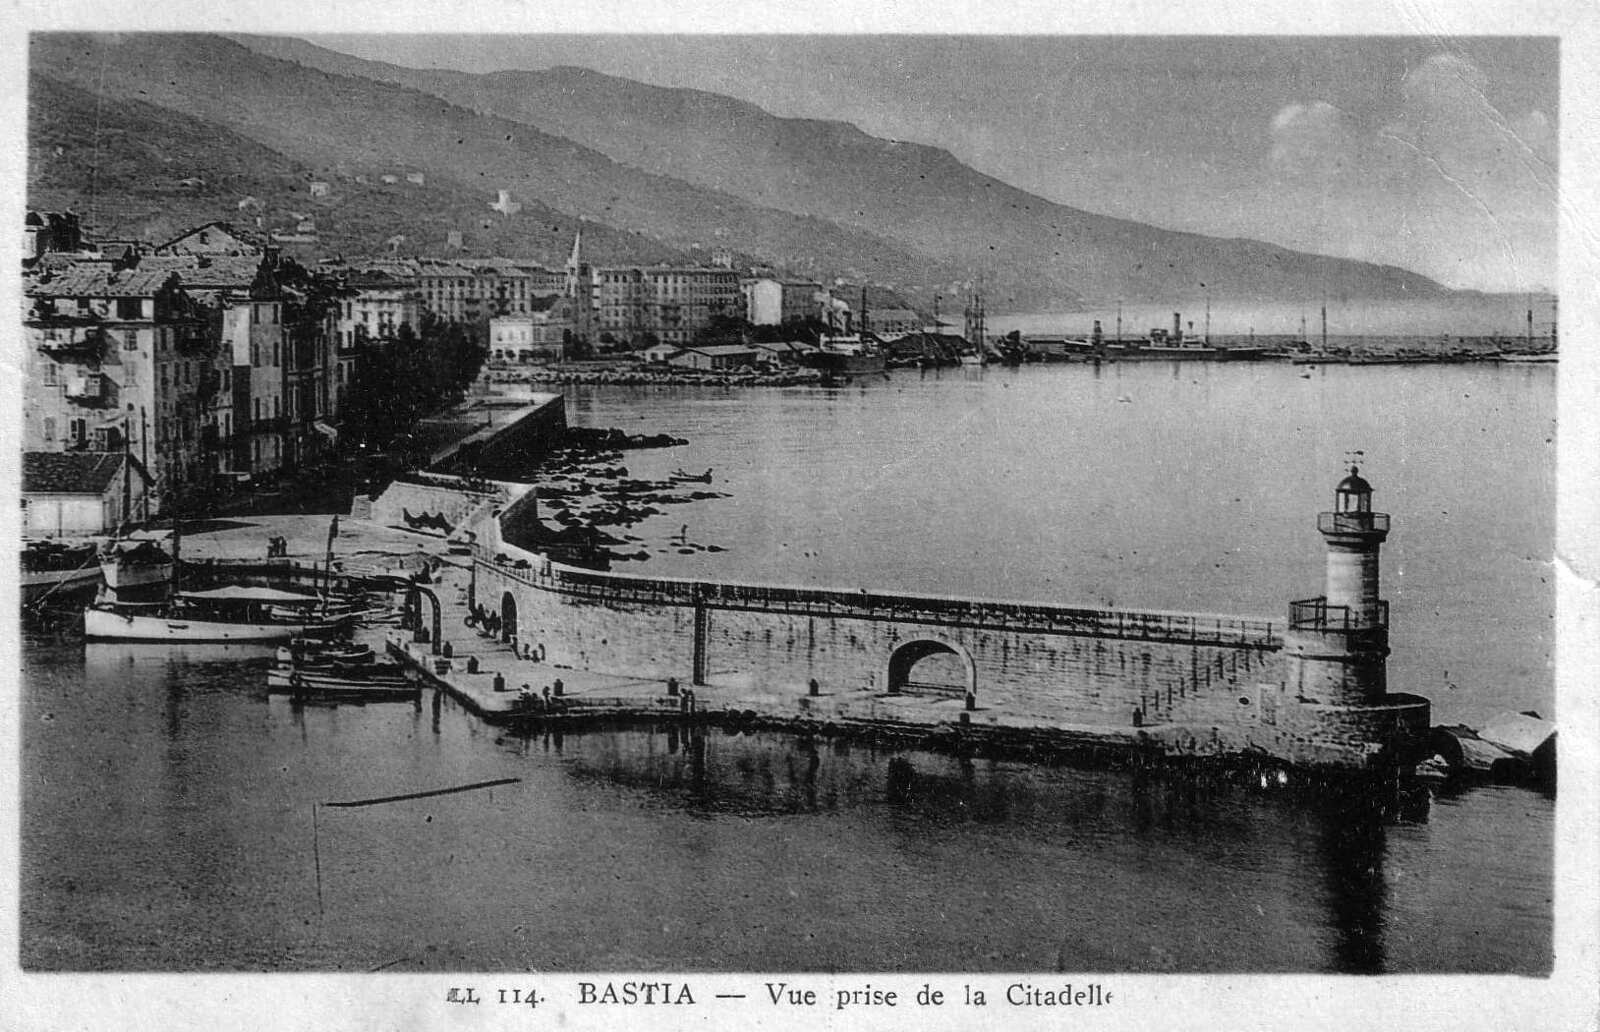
x=675, y=131
x=818, y=198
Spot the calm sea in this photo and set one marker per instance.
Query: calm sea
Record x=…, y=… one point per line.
x=168, y=805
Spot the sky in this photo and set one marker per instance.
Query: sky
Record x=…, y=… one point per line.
x=1434, y=155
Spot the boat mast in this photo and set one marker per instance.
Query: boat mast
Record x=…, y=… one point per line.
x=127, y=481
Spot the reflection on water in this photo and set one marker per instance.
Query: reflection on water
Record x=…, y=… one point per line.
x=168, y=826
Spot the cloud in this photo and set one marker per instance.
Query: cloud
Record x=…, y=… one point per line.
x=1447, y=123
x=1309, y=139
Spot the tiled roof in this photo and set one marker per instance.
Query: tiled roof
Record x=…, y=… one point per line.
x=69, y=472
x=215, y=271
x=723, y=349
x=242, y=235
x=97, y=279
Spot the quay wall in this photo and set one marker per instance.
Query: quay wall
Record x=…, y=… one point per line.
x=454, y=504
x=1099, y=675
x=527, y=437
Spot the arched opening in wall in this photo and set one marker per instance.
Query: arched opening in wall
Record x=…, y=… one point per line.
x=508, y=616
x=927, y=667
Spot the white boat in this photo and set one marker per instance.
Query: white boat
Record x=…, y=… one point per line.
x=136, y=564
x=221, y=614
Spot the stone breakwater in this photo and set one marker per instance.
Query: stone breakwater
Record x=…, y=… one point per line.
x=636, y=377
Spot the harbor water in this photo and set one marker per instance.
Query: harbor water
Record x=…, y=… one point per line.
x=170, y=808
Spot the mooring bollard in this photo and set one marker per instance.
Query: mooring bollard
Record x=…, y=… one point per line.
x=472, y=664
x=499, y=682
x=558, y=687
x=447, y=650
x=672, y=686
x=422, y=636
x=972, y=702
x=813, y=688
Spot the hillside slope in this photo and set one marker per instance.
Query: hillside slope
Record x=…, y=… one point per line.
x=1030, y=249
x=338, y=125
x=123, y=166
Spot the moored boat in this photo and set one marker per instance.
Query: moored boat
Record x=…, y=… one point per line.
x=221, y=614
x=842, y=357
x=50, y=569
x=131, y=565
x=340, y=684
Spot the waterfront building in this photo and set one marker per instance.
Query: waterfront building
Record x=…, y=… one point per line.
x=659, y=354
x=890, y=323
x=772, y=302
x=783, y=352
x=469, y=290
x=719, y=357
x=246, y=299
x=634, y=304
x=119, y=357
x=68, y=494
x=537, y=336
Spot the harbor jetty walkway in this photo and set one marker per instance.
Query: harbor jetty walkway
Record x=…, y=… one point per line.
x=489, y=678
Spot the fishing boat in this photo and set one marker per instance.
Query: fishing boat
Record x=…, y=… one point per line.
x=130, y=565
x=355, y=684
x=220, y=614
x=323, y=652
x=50, y=568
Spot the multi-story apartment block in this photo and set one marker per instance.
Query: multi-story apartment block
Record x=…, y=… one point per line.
x=771, y=302
x=247, y=300
x=632, y=304
x=468, y=290
x=120, y=357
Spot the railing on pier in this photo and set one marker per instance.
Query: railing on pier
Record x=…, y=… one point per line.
x=1315, y=614
x=1231, y=632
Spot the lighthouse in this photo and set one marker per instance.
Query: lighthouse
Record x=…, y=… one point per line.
x=1336, y=645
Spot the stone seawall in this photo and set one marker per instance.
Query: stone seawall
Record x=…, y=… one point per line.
x=1188, y=684
x=1043, y=675
x=519, y=433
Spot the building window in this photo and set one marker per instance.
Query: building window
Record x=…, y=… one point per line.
x=129, y=308
x=49, y=428
x=80, y=431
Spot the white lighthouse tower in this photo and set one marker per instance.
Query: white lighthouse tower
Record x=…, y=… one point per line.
x=1337, y=645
